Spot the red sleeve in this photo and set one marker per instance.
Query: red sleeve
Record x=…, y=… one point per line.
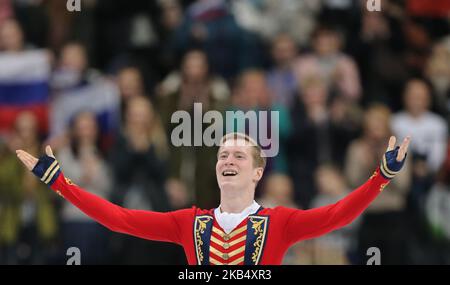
x=305, y=224
x=144, y=224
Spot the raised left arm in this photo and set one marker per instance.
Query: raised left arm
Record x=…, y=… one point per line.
x=305, y=224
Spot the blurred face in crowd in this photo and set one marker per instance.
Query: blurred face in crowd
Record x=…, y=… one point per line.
x=74, y=58
x=177, y=193
x=253, y=90
x=374, y=25
x=326, y=42
x=417, y=97
x=85, y=127
x=236, y=167
x=172, y=14
x=329, y=181
x=377, y=123
x=130, y=82
x=314, y=93
x=284, y=50
x=139, y=113
x=26, y=127
x=11, y=36
x=279, y=188
x=195, y=66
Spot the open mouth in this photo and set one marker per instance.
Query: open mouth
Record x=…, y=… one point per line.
x=229, y=173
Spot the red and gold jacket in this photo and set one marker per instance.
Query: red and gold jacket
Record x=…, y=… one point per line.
x=263, y=238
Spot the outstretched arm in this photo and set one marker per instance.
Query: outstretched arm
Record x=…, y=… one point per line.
x=145, y=224
x=305, y=224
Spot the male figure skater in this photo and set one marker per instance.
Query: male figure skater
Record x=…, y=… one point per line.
x=239, y=231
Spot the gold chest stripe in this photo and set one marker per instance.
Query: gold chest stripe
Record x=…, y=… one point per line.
x=221, y=243
x=232, y=234
x=231, y=254
x=237, y=261
x=212, y=260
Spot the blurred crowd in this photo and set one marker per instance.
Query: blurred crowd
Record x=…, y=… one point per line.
x=100, y=86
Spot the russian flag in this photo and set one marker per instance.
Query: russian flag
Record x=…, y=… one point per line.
x=100, y=96
x=24, y=86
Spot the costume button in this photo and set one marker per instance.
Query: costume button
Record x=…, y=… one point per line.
x=225, y=256
x=226, y=245
x=226, y=237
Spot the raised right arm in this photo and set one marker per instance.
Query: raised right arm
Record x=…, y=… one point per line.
x=144, y=224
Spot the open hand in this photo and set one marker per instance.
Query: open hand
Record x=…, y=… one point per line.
x=403, y=147
x=29, y=160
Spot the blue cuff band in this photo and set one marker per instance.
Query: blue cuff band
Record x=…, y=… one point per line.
x=47, y=169
x=389, y=165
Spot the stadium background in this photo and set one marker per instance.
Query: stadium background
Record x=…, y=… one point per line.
x=100, y=86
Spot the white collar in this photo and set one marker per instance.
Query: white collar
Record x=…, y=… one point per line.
x=228, y=221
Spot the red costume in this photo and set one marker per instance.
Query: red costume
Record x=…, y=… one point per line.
x=262, y=238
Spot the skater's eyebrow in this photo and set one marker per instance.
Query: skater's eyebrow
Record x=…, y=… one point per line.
x=237, y=152
x=223, y=152
x=240, y=153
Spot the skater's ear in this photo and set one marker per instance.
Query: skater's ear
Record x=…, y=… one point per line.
x=258, y=174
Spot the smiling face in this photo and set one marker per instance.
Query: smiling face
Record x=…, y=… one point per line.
x=236, y=168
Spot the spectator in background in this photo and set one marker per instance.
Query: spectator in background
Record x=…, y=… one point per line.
x=268, y=18
x=194, y=83
x=28, y=225
x=278, y=190
x=171, y=19
x=131, y=84
x=437, y=212
x=337, y=247
x=317, y=137
x=338, y=71
x=281, y=77
x=178, y=194
x=429, y=130
x=11, y=36
x=139, y=165
x=438, y=73
x=77, y=87
x=384, y=224
x=72, y=69
x=208, y=25
x=24, y=78
x=63, y=26
x=252, y=93
x=417, y=47
x=139, y=158
x=86, y=167
x=384, y=71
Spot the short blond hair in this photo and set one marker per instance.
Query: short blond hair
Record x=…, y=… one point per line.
x=258, y=159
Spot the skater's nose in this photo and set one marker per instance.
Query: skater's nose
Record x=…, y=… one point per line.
x=230, y=160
